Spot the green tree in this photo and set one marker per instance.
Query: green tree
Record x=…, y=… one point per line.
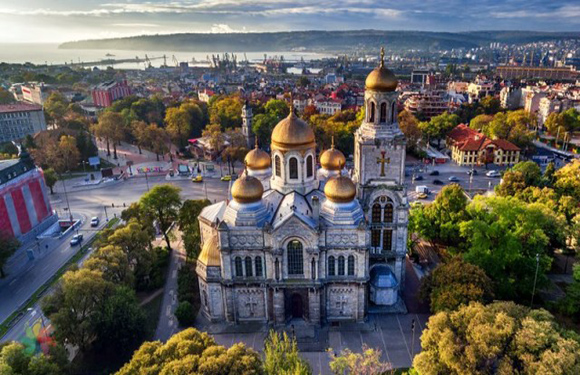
x=366, y=363
x=50, y=178
x=114, y=264
x=192, y=352
x=490, y=105
x=262, y=126
x=120, y=322
x=156, y=139
x=189, y=225
x=185, y=314
x=281, y=356
x=456, y=283
x=567, y=181
x=500, y=338
x=162, y=203
x=14, y=360
x=410, y=127
x=512, y=183
x=8, y=246
x=215, y=136
x=75, y=305
x=481, y=123
x=442, y=124
x=55, y=106
x=277, y=108
x=570, y=305
x=6, y=97
x=110, y=127
x=530, y=171
x=178, y=125
x=226, y=111
x=549, y=174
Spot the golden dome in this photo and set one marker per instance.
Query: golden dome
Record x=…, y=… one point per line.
x=210, y=254
x=257, y=159
x=340, y=189
x=292, y=133
x=332, y=159
x=247, y=189
x=381, y=78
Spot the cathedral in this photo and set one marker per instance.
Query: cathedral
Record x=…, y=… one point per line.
x=297, y=242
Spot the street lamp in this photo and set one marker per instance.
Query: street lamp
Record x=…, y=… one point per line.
x=535, y=278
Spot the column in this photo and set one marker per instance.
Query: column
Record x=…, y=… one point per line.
x=314, y=305
x=399, y=271
x=29, y=201
x=279, y=311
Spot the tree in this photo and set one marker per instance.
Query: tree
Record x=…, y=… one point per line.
x=226, y=111
x=549, y=174
x=410, y=127
x=62, y=156
x=156, y=140
x=512, y=183
x=456, y=283
x=567, y=181
x=237, y=148
x=138, y=131
x=213, y=132
x=277, y=108
x=113, y=263
x=110, y=127
x=442, y=124
x=570, y=305
x=490, y=105
x=8, y=246
x=14, y=360
x=75, y=304
x=163, y=203
x=530, y=171
x=500, y=338
x=50, y=178
x=303, y=81
x=185, y=314
x=192, y=352
x=178, y=125
x=366, y=363
x=6, y=97
x=120, y=321
x=281, y=356
x=189, y=225
x=481, y=123
x=55, y=106
x=262, y=127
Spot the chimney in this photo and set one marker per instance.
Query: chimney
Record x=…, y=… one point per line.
x=315, y=209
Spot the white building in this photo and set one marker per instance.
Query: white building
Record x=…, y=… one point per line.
x=19, y=120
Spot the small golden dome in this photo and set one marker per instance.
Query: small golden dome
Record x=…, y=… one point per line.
x=257, y=159
x=340, y=189
x=210, y=254
x=291, y=133
x=381, y=78
x=332, y=159
x=247, y=189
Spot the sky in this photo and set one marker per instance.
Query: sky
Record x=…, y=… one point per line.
x=55, y=21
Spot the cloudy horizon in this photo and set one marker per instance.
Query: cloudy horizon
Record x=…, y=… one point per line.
x=42, y=21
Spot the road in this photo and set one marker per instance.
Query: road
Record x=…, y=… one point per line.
x=29, y=275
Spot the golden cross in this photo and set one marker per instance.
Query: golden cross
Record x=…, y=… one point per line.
x=382, y=160
x=382, y=63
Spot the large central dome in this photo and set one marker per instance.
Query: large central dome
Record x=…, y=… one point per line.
x=292, y=133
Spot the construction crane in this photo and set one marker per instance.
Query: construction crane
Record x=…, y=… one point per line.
x=147, y=62
x=175, y=61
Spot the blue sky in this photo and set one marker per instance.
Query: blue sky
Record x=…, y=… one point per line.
x=64, y=20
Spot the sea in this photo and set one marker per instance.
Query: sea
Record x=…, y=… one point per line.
x=50, y=54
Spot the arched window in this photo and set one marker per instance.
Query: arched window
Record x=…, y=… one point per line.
x=376, y=214
x=277, y=268
x=351, y=265
x=331, y=266
x=293, y=167
x=383, y=112
x=341, y=265
x=239, y=271
x=258, y=266
x=393, y=112
x=313, y=268
x=309, y=166
x=388, y=213
x=372, y=113
x=375, y=238
x=248, y=265
x=387, y=240
x=295, y=259
x=277, y=166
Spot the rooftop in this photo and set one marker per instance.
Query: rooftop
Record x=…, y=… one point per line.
x=19, y=107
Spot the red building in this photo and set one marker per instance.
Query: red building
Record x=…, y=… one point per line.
x=106, y=93
x=24, y=205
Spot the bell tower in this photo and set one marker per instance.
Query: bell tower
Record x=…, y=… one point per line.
x=247, y=118
x=379, y=171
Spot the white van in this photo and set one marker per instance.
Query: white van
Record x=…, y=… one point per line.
x=421, y=189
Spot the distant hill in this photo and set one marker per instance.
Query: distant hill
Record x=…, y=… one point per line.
x=318, y=41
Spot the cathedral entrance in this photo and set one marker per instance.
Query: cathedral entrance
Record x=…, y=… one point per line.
x=297, y=306
x=296, y=303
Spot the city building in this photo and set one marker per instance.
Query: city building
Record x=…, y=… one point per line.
x=328, y=106
x=314, y=245
x=205, y=95
x=247, y=118
x=419, y=77
x=551, y=104
x=428, y=103
x=568, y=73
x=106, y=93
x=35, y=93
x=479, y=89
x=510, y=97
x=25, y=209
x=469, y=147
x=19, y=120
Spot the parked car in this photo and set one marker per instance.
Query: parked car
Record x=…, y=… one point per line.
x=226, y=178
x=422, y=196
x=197, y=178
x=419, y=178
x=453, y=179
x=438, y=182
x=493, y=174
x=77, y=239
x=422, y=189
x=472, y=172
x=434, y=173
x=94, y=221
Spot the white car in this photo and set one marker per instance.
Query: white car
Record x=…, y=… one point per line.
x=493, y=174
x=95, y=222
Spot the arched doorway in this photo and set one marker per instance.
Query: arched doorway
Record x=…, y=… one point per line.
x=297, y=306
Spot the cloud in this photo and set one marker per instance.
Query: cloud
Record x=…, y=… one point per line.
x=570, y=12
x=135, y=25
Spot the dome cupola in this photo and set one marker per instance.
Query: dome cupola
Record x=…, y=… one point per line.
x=247, y=189
x=381, y=79
x=292, y=133
x=340, y=189
x=257, y=159
x=332, y=159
